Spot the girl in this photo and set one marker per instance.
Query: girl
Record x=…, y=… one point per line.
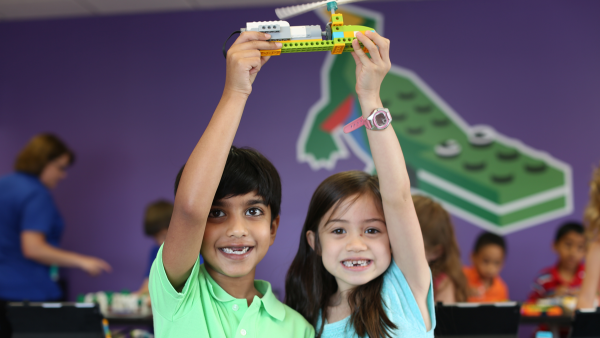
x=441, y=250
x=588, y=296
x=346, y=279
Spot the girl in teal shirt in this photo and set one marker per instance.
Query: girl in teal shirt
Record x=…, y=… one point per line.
x=361, y=269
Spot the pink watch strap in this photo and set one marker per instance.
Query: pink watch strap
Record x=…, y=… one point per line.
x=359, y=122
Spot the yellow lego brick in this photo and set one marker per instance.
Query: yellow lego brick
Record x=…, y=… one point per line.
x=338, y=48
x=337, y=20
x=348, y=34
x=270, y=52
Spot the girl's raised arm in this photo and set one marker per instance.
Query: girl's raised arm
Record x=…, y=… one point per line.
x=403, y=226
x=203, y=170
x=591, y=281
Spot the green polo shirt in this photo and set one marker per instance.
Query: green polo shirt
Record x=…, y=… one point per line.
x=204, y=309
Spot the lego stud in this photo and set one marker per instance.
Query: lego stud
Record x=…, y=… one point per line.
x=502, y=178
x=482, y=136
x=424, y=109
x=449, y=148
x=440, y=122
x=474, y=165
x=507, y=154
x=535, y=166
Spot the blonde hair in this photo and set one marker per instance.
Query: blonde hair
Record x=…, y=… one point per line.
x=39, y=151
x=437, y=229
x=591, y=216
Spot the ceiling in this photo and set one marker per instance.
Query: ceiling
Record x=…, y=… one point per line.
x=42, y=9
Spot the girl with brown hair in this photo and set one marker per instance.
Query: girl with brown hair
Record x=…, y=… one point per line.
x=441, y=250
x=31, y=225
x=588, y=295
x=360, y=269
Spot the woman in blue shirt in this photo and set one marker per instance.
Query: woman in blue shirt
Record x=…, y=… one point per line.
x=31, y=226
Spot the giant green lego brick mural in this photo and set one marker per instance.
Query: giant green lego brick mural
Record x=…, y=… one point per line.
x=480, y=175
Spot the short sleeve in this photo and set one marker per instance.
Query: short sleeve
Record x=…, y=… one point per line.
x=39, y=213
x=166, y=301
x=151, y=258
x=402, y=303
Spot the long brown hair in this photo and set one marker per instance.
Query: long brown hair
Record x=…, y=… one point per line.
x=591, y=215
x=39, y=151
x=309, y=286
x=437, y=229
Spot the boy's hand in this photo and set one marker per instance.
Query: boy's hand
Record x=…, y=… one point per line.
x=371, y=71
x=244, y=61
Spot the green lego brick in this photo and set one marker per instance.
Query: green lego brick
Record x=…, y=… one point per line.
x=308, y=46
x=315, y=46
x=503, y=185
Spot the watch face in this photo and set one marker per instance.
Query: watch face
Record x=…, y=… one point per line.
x=381, y=119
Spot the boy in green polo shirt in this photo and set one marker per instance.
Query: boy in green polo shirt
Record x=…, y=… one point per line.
x=227, y=209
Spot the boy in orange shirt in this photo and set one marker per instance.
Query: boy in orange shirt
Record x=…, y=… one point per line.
x=485, y=284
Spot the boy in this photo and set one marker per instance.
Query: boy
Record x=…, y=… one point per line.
x=565, y=277
x=485, y=284
x=227, y=209
x=156, y=224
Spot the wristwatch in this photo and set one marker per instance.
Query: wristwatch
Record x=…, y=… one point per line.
x=379, y=119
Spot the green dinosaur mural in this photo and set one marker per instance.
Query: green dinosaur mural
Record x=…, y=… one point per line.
x=478, y=174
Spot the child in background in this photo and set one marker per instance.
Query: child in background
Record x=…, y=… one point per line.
x=588, y=296
x=226, y=208
x=156, y=223
x=360, y=269
x=441, y=249
x=485, y=284
x=564, y=278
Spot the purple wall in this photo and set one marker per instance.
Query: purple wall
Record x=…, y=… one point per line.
x=132, y=95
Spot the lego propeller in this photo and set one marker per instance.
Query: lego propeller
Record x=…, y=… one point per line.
x=292, y=11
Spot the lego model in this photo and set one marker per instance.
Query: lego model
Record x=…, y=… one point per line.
x=337, y=37
x=478, y=174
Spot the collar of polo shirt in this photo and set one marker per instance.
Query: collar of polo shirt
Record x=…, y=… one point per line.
x=273, y=306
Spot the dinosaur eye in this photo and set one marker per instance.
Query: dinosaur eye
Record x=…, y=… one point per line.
x=482, y=136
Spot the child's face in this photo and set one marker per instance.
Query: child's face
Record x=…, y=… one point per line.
x=238, y=234
x=488, y=261
x=570, y=249
x=354, y=242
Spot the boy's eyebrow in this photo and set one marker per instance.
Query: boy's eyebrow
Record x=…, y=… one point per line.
x=256, y=201
x=219, y=203
x=222, y=203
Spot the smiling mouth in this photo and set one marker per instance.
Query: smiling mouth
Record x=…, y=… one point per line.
x=240, y=250
x=357, y=263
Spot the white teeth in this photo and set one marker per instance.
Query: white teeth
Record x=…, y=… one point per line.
x=236, y=251
x=356, y=263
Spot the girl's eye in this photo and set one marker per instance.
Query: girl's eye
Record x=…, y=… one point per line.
x=372, y=231
x=339, y=231
x=254, y=212
x=216, y=213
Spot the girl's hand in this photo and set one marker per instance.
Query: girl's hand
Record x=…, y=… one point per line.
x=371, y=71
x=244, y=61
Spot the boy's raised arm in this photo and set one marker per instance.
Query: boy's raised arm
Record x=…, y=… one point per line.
x=203, y=170
x=402, y=223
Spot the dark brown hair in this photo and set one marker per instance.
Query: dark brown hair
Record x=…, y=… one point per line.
x=309, y=286
x=247, y=170
x=437, y=229
x=39, y=151
x=157, y=217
